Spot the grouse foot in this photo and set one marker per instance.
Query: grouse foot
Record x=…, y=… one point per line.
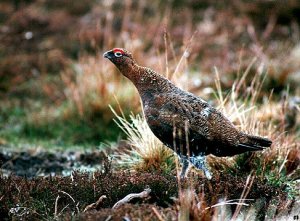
x=198, y=161
x=185, y=165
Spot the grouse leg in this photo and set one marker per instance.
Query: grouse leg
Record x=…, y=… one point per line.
x=200, y=163
x=185, y=164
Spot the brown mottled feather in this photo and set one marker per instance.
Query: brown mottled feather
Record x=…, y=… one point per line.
x=182, y=120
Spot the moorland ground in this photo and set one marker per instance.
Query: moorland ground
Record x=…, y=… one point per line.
x=56, y=88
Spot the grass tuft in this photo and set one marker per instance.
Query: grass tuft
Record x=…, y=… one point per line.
x=245, y=106
x=146, y=152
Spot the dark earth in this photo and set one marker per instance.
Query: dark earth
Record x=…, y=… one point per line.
x=32, y=164
x=48, y=174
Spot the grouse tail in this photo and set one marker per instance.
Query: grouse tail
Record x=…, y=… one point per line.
x=255, y=143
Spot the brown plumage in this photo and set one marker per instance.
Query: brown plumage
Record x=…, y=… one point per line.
x=181, y=120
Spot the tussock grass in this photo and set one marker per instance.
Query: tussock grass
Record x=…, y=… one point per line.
x=146, y=152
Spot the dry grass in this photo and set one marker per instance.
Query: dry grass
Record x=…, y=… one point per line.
x=248, y=103
x=91, y=86
x=246, y=107
x=146, y=152
x=195, y=206
x=69, y=41
x=157, y=34
x=242, y=107
x=157, y=43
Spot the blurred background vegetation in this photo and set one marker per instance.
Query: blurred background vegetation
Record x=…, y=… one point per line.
x=55, y=87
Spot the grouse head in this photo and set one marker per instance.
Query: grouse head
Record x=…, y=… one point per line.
x=119, y=56
x=140, y=76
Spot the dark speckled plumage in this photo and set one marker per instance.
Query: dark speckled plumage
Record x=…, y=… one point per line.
x=181, y=120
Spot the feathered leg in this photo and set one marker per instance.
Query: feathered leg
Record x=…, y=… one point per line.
x=185, y=165
x=200, y=163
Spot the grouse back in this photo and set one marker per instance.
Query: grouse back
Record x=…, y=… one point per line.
x=182, y=121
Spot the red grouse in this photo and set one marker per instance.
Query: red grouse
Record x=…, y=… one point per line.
x=182, y=121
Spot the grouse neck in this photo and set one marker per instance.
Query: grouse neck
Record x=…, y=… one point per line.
x=148, y=80
x=144, y=78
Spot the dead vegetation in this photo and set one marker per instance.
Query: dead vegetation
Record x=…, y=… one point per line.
x=44, y=198
x=54, y=85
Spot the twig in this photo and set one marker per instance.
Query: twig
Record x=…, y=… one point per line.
x=56, y=204
x=119, y=106
x=55, y=207
x=245, y=192
x=185, y=54
x=94, y=205
x=108, y=218
x=284, y=161
x=230, y=202
x=66, y=206
x=270, y=26
x=126, y=218
x=166, y=52
x=243, y=78
x=131, y=196
x=157, y=214
x=61, y=191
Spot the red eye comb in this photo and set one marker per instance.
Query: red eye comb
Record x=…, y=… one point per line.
x=118, y=50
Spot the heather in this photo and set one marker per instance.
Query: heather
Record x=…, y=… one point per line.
x=72, y=129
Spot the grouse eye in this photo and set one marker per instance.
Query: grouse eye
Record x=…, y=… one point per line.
x=118, y=54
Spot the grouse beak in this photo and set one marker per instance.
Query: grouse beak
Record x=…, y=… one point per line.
x=107, y=54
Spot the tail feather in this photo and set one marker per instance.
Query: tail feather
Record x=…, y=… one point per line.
x=255, y=143
x=250, y=147
x=260, y=141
